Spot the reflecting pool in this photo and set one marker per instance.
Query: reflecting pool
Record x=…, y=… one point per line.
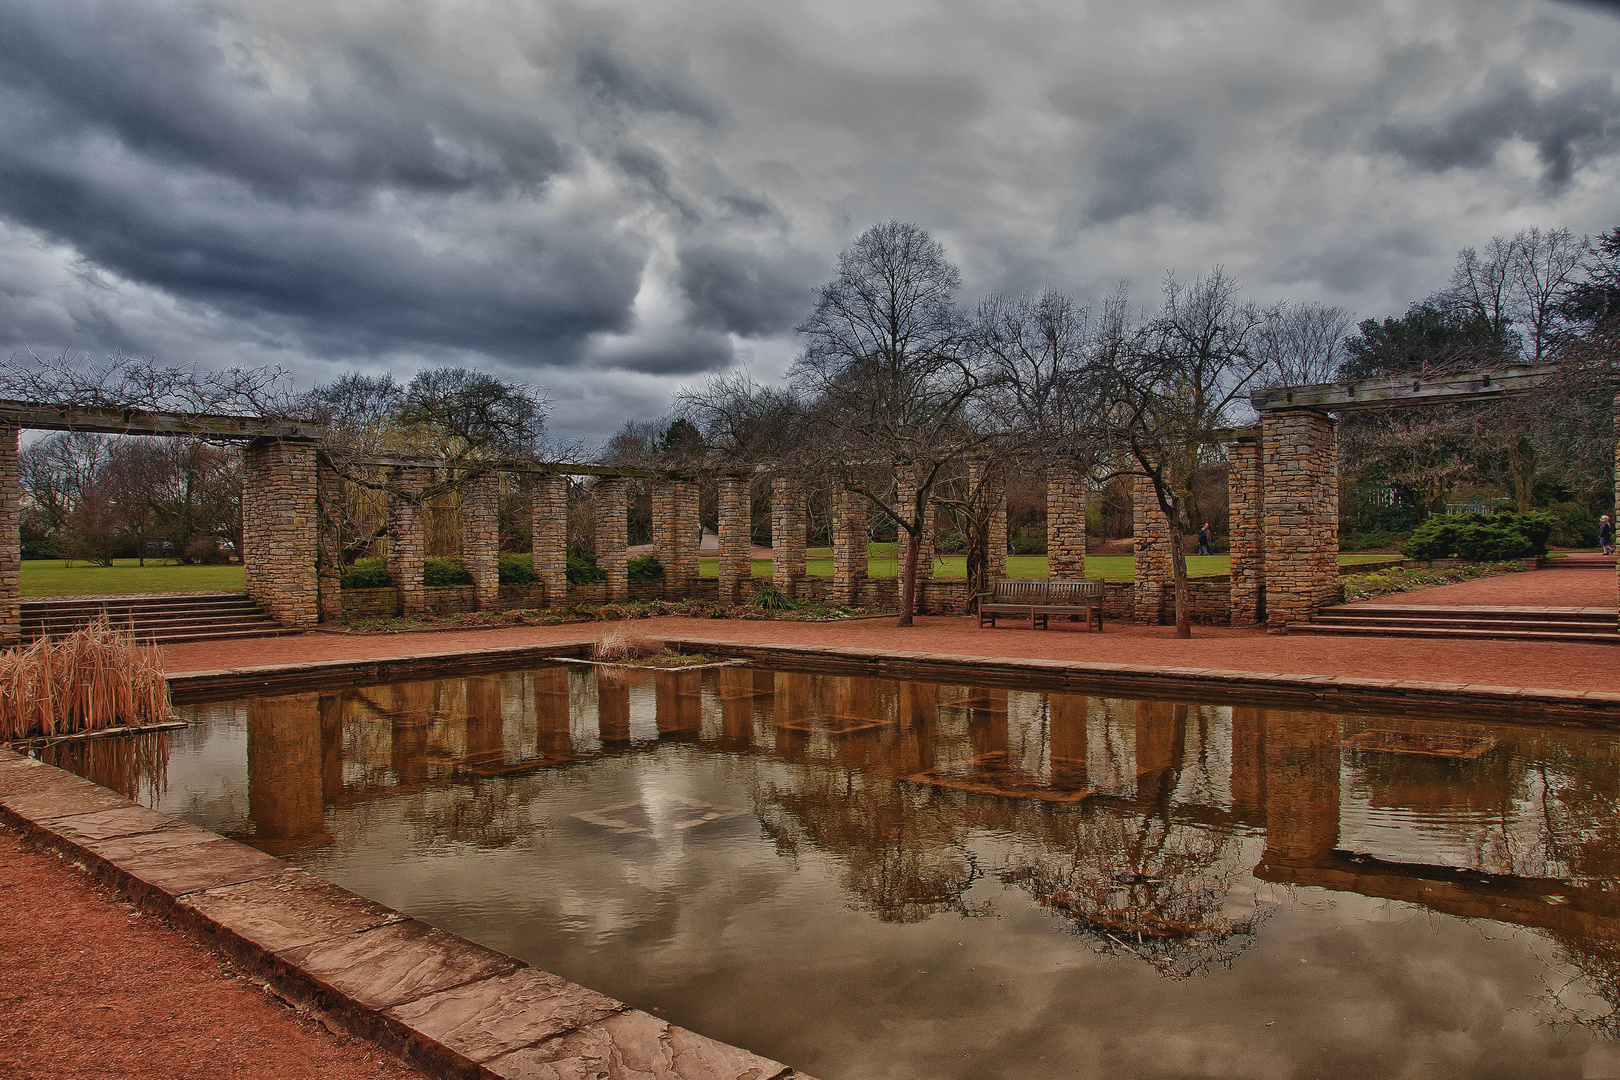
x=869, y=878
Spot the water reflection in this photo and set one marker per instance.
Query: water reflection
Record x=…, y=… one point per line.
x=1163, y=833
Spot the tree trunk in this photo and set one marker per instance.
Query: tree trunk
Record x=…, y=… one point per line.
x=1178, y=568
x=908, y=585
x=1522, y=461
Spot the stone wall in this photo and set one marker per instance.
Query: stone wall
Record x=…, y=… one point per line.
x=736, y=568
x=481, y=536
x=1065, y=522
x=407, y=540
x=548, y=519
x=787, y=535
x=279, y=526
x=1299, y=459
x=1246, y=536
x=1150, y=532
x=10, y=539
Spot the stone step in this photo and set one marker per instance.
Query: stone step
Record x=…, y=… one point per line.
x=1611, y=637
x=1576, y=626
x=229, y=622
x=1596, y=616
x=163, y=618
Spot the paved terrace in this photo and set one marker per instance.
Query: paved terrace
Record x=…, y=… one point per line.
x=1561, y=666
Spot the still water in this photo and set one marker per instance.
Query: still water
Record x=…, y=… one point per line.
x=868, y=878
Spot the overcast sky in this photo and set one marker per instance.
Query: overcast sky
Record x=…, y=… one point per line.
x=613, y=199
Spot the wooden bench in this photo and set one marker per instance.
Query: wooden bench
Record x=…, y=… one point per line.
x=1038, y=600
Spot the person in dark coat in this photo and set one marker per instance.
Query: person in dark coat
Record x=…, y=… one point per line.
x=1204, y=546
x=1606, y=535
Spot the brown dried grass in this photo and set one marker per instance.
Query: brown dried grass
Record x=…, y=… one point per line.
x=94, y=678
x=622, y=643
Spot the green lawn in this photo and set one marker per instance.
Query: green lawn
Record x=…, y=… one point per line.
x=880, y=562
x=53, y=577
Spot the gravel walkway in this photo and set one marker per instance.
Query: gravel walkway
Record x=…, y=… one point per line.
x=90, y=987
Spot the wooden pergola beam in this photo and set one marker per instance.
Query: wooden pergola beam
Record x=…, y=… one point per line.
x=110, y=421
x=1491, y=383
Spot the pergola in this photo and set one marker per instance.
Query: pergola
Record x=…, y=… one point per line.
x=1283, y=491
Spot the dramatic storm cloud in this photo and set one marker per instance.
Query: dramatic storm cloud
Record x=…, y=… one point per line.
x=615, y=199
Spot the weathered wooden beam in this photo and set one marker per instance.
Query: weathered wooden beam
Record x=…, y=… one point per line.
x=109, y=421
x=509, y=465
x=1408, y=390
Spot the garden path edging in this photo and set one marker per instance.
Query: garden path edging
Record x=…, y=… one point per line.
x=446, y=1004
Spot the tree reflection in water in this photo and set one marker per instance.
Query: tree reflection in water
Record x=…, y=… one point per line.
x=902, y=849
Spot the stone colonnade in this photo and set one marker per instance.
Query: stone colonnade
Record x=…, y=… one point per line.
x=1284, y=511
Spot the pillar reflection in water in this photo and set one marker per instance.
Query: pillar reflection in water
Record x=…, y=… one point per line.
x=612, y=706
x=1066, y=718
x=1302, y=787
x=553, y=713
x=735, y=686
x=1160, y=746
x=285, y=773
x=679, y=697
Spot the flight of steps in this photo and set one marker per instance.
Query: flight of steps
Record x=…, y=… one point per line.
x=165, y=617
x=1467, y=622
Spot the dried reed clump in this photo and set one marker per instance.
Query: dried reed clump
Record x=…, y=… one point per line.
x=93, y=678
x=622, y=643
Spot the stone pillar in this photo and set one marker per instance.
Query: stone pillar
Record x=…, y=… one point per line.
x=548, y=525
x=906, y=497
x=736, y=520
x=481, y=536
x=329, y=541
x=675, y=534
x=849, y=546
x=612, y=533
x=279, y=526
x=407, y=544
x=787, y=535
x=10, y=539
x=1299, y=465
x=689, y=533
x=994, y=488
x=1246, y=536
x=1150, y=533
x=1065, y=522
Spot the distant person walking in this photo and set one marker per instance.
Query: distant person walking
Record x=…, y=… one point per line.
x=1204, y=546
x=1606, y=534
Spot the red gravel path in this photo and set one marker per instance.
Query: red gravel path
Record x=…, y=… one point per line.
x=1496, y=663
x=1538, y=588
x=90, y=987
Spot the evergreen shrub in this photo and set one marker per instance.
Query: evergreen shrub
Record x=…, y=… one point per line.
x=1481, y=538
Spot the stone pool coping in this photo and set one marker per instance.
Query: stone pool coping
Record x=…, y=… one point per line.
x=446, y=1004
x=1455, y=700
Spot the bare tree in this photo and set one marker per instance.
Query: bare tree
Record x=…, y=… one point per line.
x=1302, y=344
x=887, y=378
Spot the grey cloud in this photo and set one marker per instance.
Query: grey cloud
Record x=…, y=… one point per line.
x=327, y=210
x=1147, y=163
x=676, y=353
x=1568, y=129
x=622, y=84
x=744, y=293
